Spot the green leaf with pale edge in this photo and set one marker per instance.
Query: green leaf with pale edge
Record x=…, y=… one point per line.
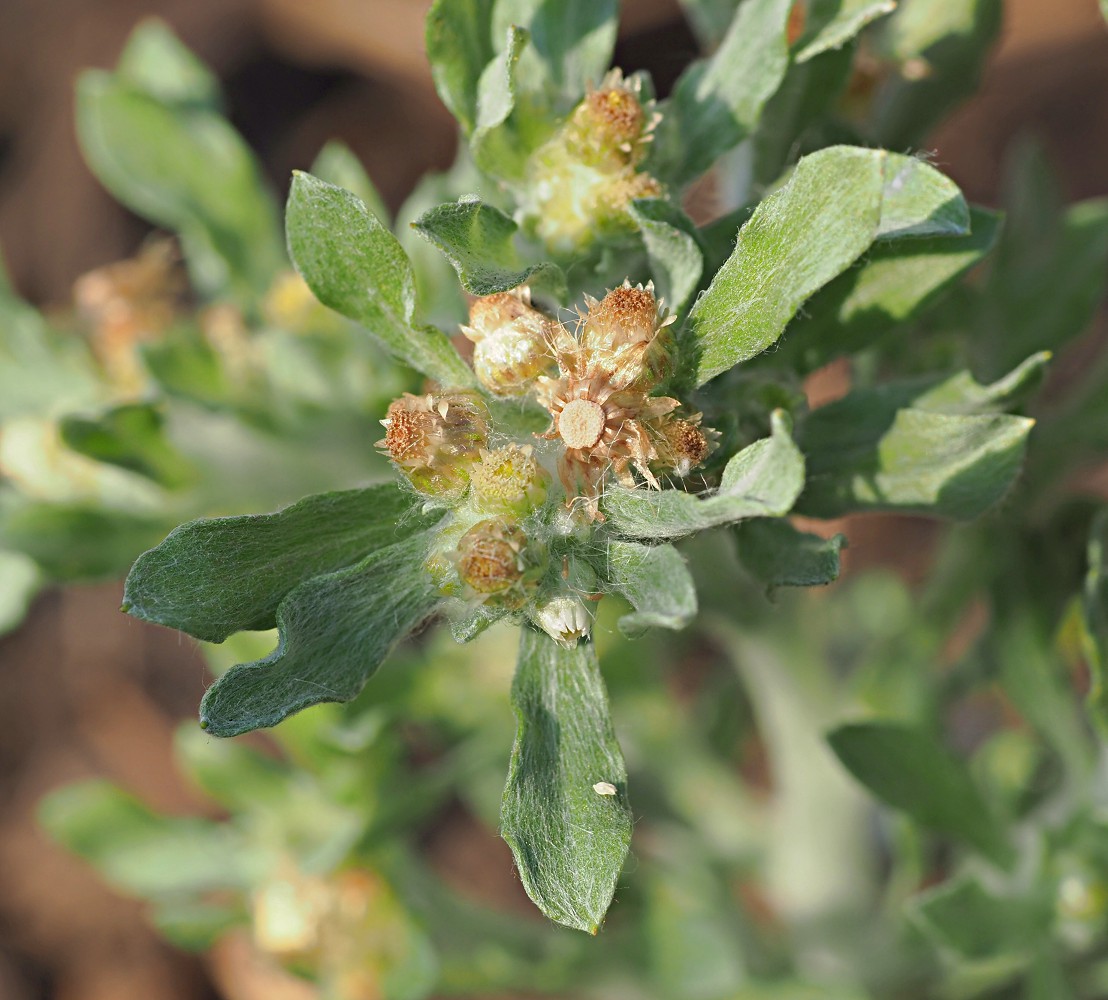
x=569, y=842
x=132, y=437
x=571, y=44
x=779, y=555
x=336, y=630
x=477, y=240
x=933, y=445
x=155, y=60
x=497, y=147
x=655, y=581
x=838, y=202
x=1095, y=604
x=669, y=236
x=833, y=23
x=459, y=46
x=336, y=163
x=216, y=576
x=963, y=917
x=911, y=771
x=140, y=852
x=717, y=102
x=762, y=480
x=893, y=285
x=187, y=169
x=354, y=265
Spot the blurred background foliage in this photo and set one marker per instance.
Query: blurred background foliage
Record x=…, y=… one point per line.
x=888, y=788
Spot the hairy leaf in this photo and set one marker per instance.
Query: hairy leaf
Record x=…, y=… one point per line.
x=838, y=202
x=718, y=101
x=477, y=240
x=762, y=480
x=459, y=47
x=656, y=582
x=833, y=23
x=335, y=632
x=909, y=770
x=669, y=236
x=216, y=576
x=779, y=555
x=337, y=164
x=569, y=841
x=497, y=146
x=354, y=265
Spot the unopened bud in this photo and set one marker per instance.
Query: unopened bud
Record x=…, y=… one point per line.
x=508, y=480
x=610, y=128
x=630, y=325
x=490, y=558
x=510, y=344
x=686, y=446
x=564, y=618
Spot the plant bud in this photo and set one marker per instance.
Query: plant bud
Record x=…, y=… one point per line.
x=611, y=128
x=434, y=439
x=630, y=325
x=564, y=618
x=686, y=445
x=490, y=560
x=509, y=336
x=508, y=480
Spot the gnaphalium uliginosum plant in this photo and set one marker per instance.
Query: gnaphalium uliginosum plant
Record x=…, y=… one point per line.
x=560, y=465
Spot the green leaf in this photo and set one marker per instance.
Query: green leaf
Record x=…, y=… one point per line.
x=196, y=926
x=20, y=581
x=150, y=856
x=354, y=265
x=778, y=555
x=832, y=23
x=910, y=771
x=337, y=164
x=132, y=437
x=963, y=917
x=1095, y=607
x=709, y=19
x=838, y=202
x=571, y=42
x=893, y=285
x=945, y=465
x=568, y=840
x=942, y=44
x=717, y=102
x=459, y=47
x=762, y=480
x=477, y=240
x=187, y=169
x=216, y=576
x=336, y=630
x=656, y=582
x=497, y=146
x=154, y=60
x=669, y=236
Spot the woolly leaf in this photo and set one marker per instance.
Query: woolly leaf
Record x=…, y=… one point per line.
x=838, y=202
x=354, y=265
x=779, y=555
x=676, y=260
x=185, y=168
x=909, y=770
x=656, y=582
x=718, y=101
x=477, y=240
x=762, y=480
x=497, y=147
x=833, y=23
x=459, y=47
x=216, y=576
x=335, y=631
x=337, y=164
x=569, y=841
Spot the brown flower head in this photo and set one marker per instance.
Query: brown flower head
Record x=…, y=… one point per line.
x=435, y=438
x=612, y=127
x=510, y=341
x=491, y=561
x=630, y=331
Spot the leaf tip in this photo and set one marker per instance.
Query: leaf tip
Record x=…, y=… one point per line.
x=126, y=607
x=204, y=723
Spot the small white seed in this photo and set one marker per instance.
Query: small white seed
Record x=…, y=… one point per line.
x=605, y=788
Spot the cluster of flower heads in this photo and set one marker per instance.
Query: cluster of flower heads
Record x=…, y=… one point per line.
x=583, y=179
x=597, y=382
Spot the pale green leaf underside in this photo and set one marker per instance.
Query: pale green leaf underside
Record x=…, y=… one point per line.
x=838, y=202
x=569, y=842
x=779, y=555
x=762, y=480
x=216, y=576
x=459, y=47
x=676, y=260
x=477, y=240
x=335, y=631
x=833, y=23
x=496, y=147
x=354, y=265
x=655, y=581
x=910, y=771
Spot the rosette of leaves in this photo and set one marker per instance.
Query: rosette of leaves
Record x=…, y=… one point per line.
x=862, y=239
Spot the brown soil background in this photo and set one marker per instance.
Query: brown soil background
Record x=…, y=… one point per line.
x=84, y=690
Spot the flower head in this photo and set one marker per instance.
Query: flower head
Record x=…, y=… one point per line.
x=510, y=338
x=508, y=480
